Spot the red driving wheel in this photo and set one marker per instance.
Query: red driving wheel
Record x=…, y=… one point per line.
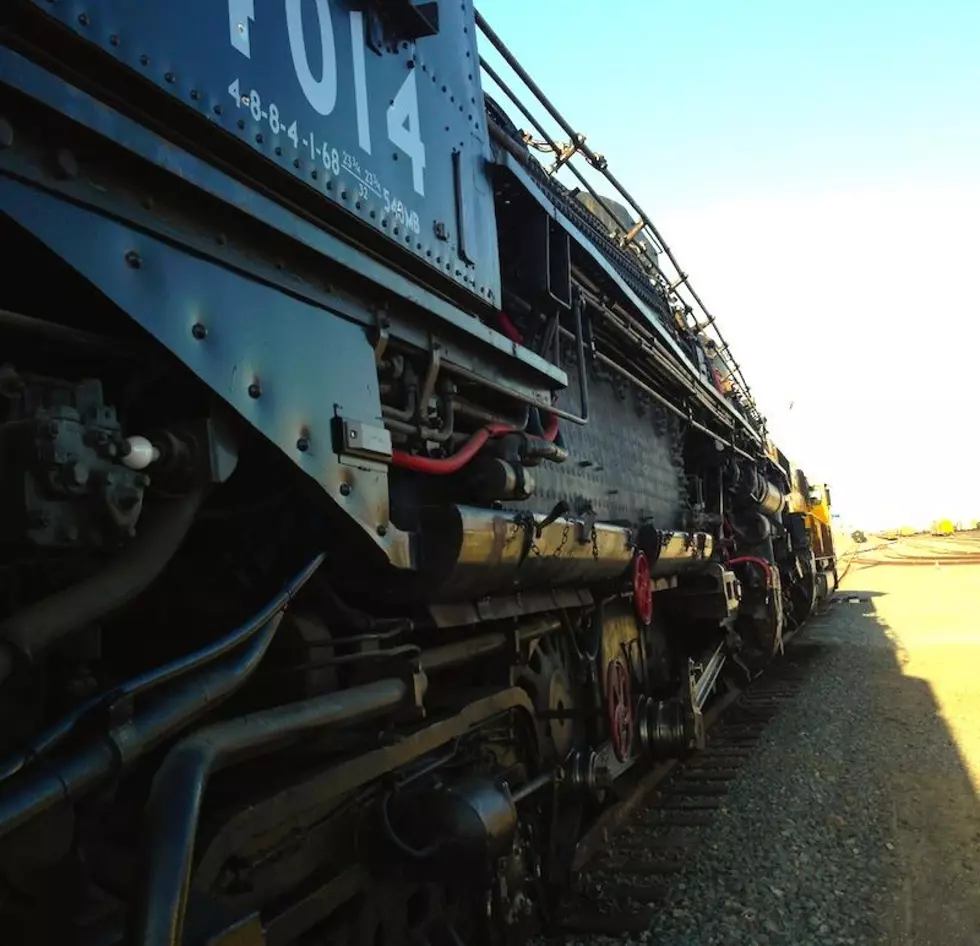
x=619, y=708
x=642, y=588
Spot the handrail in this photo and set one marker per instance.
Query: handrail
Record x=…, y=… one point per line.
x=564, y=158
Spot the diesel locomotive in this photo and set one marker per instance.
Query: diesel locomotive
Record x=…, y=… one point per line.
x=379, y=495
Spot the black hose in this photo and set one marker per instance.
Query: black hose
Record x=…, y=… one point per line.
x=34, y=791
x=31, y=631
x=178, y=789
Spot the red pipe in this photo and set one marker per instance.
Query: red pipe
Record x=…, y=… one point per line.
x=509, y=329
x=551, y=428
x=754, y=560
x=443, y=466
x=447, y=465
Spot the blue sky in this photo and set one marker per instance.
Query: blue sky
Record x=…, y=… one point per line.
x=816, y=168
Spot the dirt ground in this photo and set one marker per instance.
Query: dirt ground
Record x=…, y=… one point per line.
x=928, y=711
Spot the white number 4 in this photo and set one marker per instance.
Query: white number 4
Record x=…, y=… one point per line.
x=403, y=130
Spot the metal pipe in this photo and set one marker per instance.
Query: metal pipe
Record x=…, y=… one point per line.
x=475, y=412
x=449, y=655
x=462, y=372
x=578, y=307
x=78, y=339
x=30, y=793
x=174, y=806
x=503, y=139
x=159, y=675
x=529, y=788
x=41, y=625
x=61, y=780
x=706, y=681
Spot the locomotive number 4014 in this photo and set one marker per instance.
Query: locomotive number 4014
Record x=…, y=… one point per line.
x=319, y=82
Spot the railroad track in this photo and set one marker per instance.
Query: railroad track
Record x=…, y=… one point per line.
x=624, y=866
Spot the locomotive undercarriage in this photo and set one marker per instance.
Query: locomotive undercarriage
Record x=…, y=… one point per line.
x=297, y=677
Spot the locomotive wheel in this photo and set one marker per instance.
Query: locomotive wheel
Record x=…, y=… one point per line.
x=547, y=680
x=642, y=589
x=620, y=708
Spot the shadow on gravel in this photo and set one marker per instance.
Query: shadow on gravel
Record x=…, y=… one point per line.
x=931, y=855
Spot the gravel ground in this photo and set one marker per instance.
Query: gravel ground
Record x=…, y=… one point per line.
x=856, y=821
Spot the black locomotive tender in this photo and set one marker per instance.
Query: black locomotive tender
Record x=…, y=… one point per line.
x=373, y=500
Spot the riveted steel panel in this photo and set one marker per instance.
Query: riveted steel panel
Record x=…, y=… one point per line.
x=370, y=122
x=287, y=367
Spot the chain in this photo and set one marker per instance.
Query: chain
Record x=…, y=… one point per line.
x=564, y=539
x=526, y=522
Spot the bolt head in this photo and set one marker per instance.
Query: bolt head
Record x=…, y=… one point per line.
x=199, y=331
x=303, y=444
x=345, y=489
x=255, y=390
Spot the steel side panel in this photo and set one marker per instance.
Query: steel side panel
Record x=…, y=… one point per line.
x=309, y=366
x=55, y=93
x=370, y=131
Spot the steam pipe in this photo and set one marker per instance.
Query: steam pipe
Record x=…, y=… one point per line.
x=61, y=779
x=178, y=789
x=160, y=675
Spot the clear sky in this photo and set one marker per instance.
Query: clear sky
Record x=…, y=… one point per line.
x=816, y=168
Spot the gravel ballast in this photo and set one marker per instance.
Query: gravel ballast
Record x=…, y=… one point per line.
x=855, y=821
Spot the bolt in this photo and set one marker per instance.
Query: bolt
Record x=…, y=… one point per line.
x=133, y=259
x=83, y=19
x=345, y=489
x=66, y=164
x=199, y=331
x=6, y=133
x=382, y=530
x=303, y=444
x=113, y=40
x=255, y=390
x=195, y=95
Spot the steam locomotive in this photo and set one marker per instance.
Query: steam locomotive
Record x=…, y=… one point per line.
x=378, y=493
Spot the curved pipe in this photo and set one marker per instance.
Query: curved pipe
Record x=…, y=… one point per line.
x=159, y=675
x=61, y=779
x=174, y=806
x=447, y=465
x=39, y=626
x=753, y=560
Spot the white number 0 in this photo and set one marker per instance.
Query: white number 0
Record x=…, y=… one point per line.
x=404, y=128
x=322, y=94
